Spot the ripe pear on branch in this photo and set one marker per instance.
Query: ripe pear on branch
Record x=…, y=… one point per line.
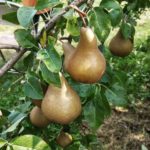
x=85, y=63
x=61, y=104
x=119, y=46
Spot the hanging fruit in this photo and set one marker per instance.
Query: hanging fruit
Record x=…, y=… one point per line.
x=119, y=46
x=61, y=105
x=32, y=3
x=37, y=117
x=85, y=63
x=64, y=139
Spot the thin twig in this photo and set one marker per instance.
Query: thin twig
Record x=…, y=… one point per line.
x=15, y=47
x=2, y=55
x=54, y=19
x=12, y=62
x=83, y=20
x=78, y=10
x=48, y=27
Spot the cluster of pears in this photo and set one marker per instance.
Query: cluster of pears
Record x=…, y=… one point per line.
x=85, y=64
x=119, y=46
x=62, y=105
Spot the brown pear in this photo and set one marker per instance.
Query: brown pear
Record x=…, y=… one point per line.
x=85, y=63
x=61, y=105
x=37, y=117
x=119, y=46
x=64, y=139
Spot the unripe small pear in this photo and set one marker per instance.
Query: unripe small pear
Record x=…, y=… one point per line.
x=37, y=117
x=64, y=139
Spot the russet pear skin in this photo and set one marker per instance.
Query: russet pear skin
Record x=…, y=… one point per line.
x=119, y=46
x=85, y=63
x=61, y=104
x=37, y=117
x=64, y=139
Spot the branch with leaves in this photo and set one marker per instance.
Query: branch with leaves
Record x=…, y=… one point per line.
x=48, y=27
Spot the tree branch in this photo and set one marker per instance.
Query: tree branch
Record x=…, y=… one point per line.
x=12, y=61
x=2, y=55
x=19, y=53
x=15, y=47
x=53, y=20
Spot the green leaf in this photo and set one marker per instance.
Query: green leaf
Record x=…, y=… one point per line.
x=25, y=16
x=43, y=39
x=49, y=76
x=116, y=95
x=143, y=147
x=3, y=142
x=99, y=110
x=97, y=145
x=127, y=30
x=114, y=10
x=23, y=107
x=41, y=4
x=3, y=121
x=11, y=17
x=28, y=61
x=29, y=142
x=15, y=118
x=84, y=90
x=50, y=58
x=25, y=39
x=33, y=89
x=72, y=26
x=75, y=146
x=100, y=20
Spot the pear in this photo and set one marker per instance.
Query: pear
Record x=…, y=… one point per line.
x=119, y=46
x=30, y=3
x=37, y=118
x=85, y=63
x=64, y=139
x=61, y=104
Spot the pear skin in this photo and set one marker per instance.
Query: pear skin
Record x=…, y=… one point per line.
x=30, y=3
x=61, y=104
x=64, y=139
x=85, y=63
x=119, y=46
x=37, y=117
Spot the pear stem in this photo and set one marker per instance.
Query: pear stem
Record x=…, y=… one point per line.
x=83, y=20
x=78, y=10
x=81, y=14
x=64, y=38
